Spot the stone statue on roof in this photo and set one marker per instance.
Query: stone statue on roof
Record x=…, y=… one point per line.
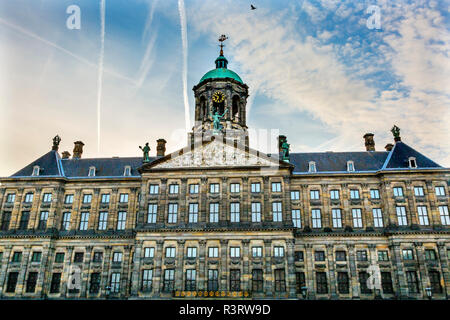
x=56, y=141
x=145, y=150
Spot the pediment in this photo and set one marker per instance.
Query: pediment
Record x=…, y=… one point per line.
x=215, y=154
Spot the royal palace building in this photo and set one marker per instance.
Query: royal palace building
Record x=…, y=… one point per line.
x=219, y=219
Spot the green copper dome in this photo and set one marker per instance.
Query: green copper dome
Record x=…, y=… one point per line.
x=221, y=71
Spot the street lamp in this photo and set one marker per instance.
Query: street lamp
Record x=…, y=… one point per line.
x=304, y=291
x=428, y=292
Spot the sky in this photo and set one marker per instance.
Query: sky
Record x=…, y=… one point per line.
x=321, y=72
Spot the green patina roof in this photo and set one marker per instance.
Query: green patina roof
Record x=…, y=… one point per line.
x=221, y=73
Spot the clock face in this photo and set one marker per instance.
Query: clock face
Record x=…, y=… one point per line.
x=218, y=97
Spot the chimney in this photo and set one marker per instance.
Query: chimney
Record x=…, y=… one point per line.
x=389, y=147
x=369, y=142
x=160, y=147
x=66, y=155
x=78, y=149
x=281, y=139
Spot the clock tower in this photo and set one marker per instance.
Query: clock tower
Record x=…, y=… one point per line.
x=220, y=104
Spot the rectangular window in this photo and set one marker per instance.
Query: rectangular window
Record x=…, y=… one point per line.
x=423, y=215
x=214, y=188
x=173, y=212
x=398, y=192
x=300, y=281
x=169, y=280
x=29, y=197
x=440, y=191
x=314, y=195
x=296, y=218
x=147, y=280
x=192, y=252
x=10, y=197
x=445, y=217
x=213, y=280
x=87, y=198
x=12, y=282
x=102, y=220
x=319, y=255
x=123, y=198
x=357, y=218
x=31, y=282
x=354, y=194
x=256, y=252
x=256, y=187
x=361, y=255
x=334, y=194
x=47, y=197
x=316, y=218
x=235, y=211
x=401, y=216
x=17, y=257
x=235, y=188
x=383, y=255
x=193, y=188
x=65, y=225
x=413, y=284
x=430, y=255
x=193, y=212
x=170, y=252
x=55, y=282
x=214, y=212
x=408, y=254
x=98, y=256
x=256, y=212
x=377, y=218
x=337, y=218
x=78, y=257
x=276, y=212
x=278, y=251
x=280, y=280
x=276, y=186
x=321, y=283
x=435, y=281
x=105, y=198
x=257, y=280
x=59, y=257
x=121, y=220
x=24, y=217
x=152, y=212
x=173, y=189
x=6, y=218
x=343, y=283
x=341, y=256
x=213, y=252
x=117, y=257
x=418, y=191
x=115, y=282
x=374, y=194
x=94, y=284
x=299, y=256
x=149, y=252
x=36, y=257
x=386, y=282
x=295, y=195
x=191, y=284
x=235, y=252
x=43, y=220
x=154, y=189
x=363, y=276
x=235, y=280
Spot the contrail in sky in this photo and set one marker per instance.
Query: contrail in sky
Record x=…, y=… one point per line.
x=100, y=70
x=182, y=12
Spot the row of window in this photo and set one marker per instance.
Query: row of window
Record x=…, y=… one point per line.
x=68, y=199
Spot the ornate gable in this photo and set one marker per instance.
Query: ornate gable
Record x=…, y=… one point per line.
x=215, y=154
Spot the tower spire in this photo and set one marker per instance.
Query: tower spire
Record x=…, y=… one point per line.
x=221, y=61
x=222, y=38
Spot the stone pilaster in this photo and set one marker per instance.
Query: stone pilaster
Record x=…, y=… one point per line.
x=268, y=272
x=136, y=268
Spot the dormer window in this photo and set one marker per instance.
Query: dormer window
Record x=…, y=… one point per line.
x=127, y=171
x=36, y=170
x=412, y=162
x=91, y=172
x=312, y=167
x=350, y=166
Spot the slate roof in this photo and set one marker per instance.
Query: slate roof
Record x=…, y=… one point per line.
x=326, y=162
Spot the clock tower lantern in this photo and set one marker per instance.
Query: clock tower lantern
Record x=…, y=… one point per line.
x=220, y=104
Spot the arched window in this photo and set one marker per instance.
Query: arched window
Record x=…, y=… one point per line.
x=235, y=108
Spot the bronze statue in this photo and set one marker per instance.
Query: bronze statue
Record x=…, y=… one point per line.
x=395, y=131
x=145, y=150
x=56, y=141
x=216, y=121
x=285, y=149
